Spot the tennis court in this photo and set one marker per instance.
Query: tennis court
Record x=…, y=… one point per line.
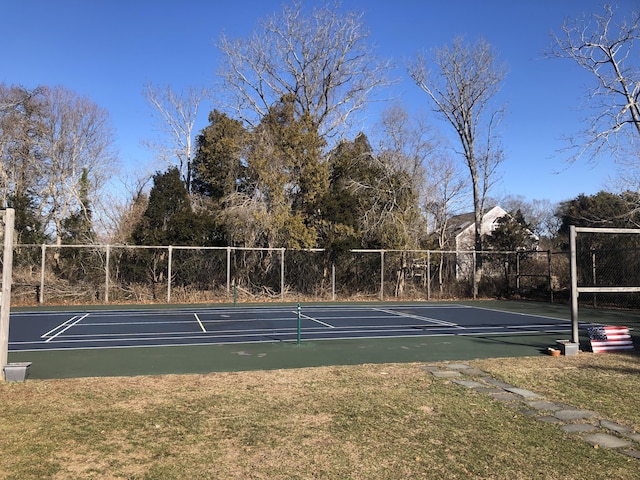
x=56, y=330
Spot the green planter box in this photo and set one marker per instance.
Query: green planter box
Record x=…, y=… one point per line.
x=16, y=372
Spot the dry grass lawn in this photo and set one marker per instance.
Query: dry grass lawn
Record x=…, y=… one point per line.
x=391, y=421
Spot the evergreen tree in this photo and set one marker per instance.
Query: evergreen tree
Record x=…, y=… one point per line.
x=511, y=234
x=169, y=218
x=219, y=166
x=603, y=209
x=288, y=176
x=371, y=195
x=28, y=224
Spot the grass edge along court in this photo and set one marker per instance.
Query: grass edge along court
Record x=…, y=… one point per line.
x=374, y=421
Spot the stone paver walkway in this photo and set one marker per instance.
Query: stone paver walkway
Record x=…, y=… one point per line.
x=588, y=425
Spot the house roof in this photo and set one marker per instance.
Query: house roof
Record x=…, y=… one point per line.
x=459, y=223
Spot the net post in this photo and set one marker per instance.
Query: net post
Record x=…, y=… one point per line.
x=573, y=269
x=5, y=306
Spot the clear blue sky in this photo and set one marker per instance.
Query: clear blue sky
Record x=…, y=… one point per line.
x=109, y=49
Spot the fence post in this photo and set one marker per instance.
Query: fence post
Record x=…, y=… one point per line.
x=550, y=274
x=229, y=271
x=282, y=250
x=573, y=269
x=428, y=274
x=106, y=274
x=595, y=282
x=333, y=281
x=382, y=275
x=42, y=267
x=474, y=279
x=169, y=273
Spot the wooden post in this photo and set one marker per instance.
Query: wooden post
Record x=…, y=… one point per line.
x=7, y=266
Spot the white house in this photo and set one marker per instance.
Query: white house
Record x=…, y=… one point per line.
x=461, y=236
x=463, y=231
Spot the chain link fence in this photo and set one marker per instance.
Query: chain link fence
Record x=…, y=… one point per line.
x=608, y=260
x=124, y=274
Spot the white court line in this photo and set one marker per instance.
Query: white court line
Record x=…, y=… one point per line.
x=200, y=322
x=417, y=317
x=307, y=317
x=44, y=335
x=67, y=328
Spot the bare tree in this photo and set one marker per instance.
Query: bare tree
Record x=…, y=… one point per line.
x=539, y=214
x=123, y=209
x=177, y=114
x=444, y=194
x=76, y=137
x=323, y=59
x=404, y=148
x=406, y=142
x=20, y=127
x=605, y=48
x=468, y=78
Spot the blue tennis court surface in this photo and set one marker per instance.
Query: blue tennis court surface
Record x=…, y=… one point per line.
x=224, y=325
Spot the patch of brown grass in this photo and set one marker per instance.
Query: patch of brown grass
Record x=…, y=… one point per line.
x=389, y=421
x=607, y=383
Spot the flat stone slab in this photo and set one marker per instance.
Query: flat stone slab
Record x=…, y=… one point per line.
x=489, y=390
x=506, y=397
x=523, y=393
x=544, y=405
x=549, y=419
x=578, y=428
x=431, y=368
x=632, y=453
x=458, y=366
x=468, y=383
x=634, y=436
x=614, y=427
x=446, y=374
x=496, y=383
x=568, y=415
x=606, y=441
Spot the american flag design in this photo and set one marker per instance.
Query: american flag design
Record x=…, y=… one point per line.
x=610, y=339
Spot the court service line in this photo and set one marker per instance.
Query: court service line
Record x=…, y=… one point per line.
x=418, y=317
x=200, y=322
x=67, y=328
x=307, y=317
